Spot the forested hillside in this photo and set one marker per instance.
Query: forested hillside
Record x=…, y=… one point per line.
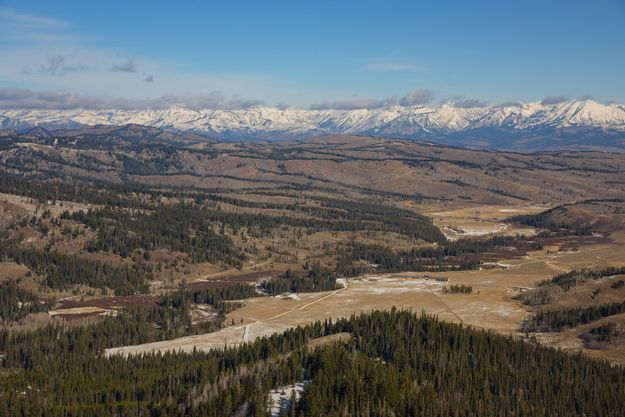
x=396, y=364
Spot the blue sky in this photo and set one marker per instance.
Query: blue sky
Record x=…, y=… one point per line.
x=320, y=54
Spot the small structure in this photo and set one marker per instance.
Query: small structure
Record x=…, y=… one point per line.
x=442, y=279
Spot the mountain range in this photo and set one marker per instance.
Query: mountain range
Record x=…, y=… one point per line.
x=574, y=124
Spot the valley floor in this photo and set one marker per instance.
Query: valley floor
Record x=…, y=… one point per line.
x=492, y=305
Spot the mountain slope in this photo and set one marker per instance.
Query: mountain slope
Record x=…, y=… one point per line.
x=579, y=123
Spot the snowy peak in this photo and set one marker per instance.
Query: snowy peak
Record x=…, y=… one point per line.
x=588, y=113
x=274, y=123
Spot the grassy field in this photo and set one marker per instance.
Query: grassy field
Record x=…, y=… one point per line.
x=493, y=304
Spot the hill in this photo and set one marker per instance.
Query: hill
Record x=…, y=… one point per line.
x=418, y=171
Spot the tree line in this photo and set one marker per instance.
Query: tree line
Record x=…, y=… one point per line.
x=453, y=255
x=557, y=320
x=570, y=279
x=458, y=289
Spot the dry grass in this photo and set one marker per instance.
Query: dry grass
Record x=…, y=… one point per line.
x=493, y=304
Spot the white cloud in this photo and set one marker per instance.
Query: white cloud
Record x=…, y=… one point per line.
x=31, y=29
x=29, y=20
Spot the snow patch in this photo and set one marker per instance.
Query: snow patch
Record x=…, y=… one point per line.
x=289, y=296
x=281, y=397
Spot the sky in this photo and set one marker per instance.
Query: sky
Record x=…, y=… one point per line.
x=308, y=54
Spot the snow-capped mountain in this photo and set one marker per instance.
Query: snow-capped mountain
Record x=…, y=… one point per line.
x=402, y=122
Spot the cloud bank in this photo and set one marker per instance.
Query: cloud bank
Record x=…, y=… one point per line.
x=417, y=98
x=469, y=103
x=413, y=98
x=25, y=99
x=16, y=98
x=554, y=99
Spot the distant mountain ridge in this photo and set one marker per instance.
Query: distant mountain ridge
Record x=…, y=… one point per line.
x=570, y=124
